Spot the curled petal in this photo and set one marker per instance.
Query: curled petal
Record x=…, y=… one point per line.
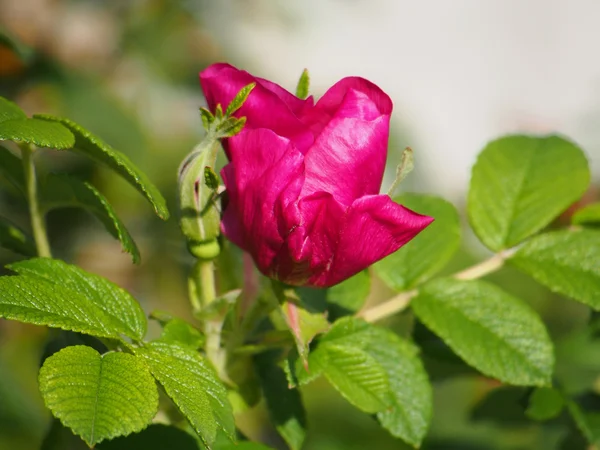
x=263, y=179
x=374, y=227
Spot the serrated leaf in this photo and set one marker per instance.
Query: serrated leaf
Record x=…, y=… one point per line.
x=178, y=331
x=284, y=404
x=567, y=262
x=63, y=191
x=98, y=396
x=520, y=184
x=10, y=110
x=11, y=170
x=430, y=251
x=350, y=295
x=239, y=99
x=52, y=293
x=498, y=334
x=194, y=387
x=588, y=215
x=155, y=437
x=303, y=86
x=545, y=403
x=15, y=240
x=410, y=395
x=37, y=132
x=92, y=146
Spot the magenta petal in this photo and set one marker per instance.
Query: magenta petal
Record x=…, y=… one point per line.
x=264, y=177
x=375, y=226
x=268, y=106
x=348, y=159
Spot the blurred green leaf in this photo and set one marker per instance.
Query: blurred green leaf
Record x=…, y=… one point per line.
x=155, y=437
x=588, y=215
x=63, y=191
x=350, y=295
x=92, y=146
x=409, y=394
x=244, y=445
x=499, y=335
x=178, y=331
x=430, y=251
x=15, y=240
x=9, y=110
x=38, y=132
x=303, y=86
x=23, y=52
x=11, y=170
x=520, y=184
x=194, y=387
x=587, y=422
x=284, y=404
x=567, y=262
x=503, y=406
x=52, y=293
x=98, y=396
x=545, y=404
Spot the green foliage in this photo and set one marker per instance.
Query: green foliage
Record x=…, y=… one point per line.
x=588, y=215
x=10, y=111
x=179, y=332
x=14, y=239
x=284, y=404
x=350, y=295
x=520, y=184
x=303, y=86
x=155, y=437
x=98, y=396
x=567, y=262
x=63, y=191
x=37, y=132
x=194, y=387
x=52, y=293
x=93, y=147
x=492, y=331
x=303, y=324
x=430, y=251
x=11, y=170
x=545, y=404
x=239, y=99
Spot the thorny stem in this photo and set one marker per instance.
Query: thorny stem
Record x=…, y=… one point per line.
x=401, y=301
x=37, y=218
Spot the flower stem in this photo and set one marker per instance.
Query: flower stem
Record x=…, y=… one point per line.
x=401, y=301
x=202, y=294
x=37, y=219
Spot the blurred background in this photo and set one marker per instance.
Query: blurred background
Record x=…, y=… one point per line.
x=460, y=73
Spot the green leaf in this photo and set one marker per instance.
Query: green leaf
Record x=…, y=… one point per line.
x=245, y=445
x=545, y=404
x=303, y=324
x=284, y=404
x=11, y=170
x=239, y=99
x=63, y=191
x=520, y=184
x=52, y=293
x=10, y=111
x=92, y=146
x=588, y=215
x=194, y=387
x=24, y=52
x=38, y=132
x=303, y=86
x=98, y=396
x=178, y=331
x=587, y=422
x=350, y=295
x=155, y=437
x=567, y=262
x=499, y=335
x=409, y=399
x=15, y=240
x=430, y=251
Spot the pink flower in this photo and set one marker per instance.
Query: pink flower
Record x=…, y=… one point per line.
x=303, y=179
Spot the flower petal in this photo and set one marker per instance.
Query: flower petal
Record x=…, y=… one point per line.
x=263, y=179
x=374, y=227
x=268, y=105
x=348, y=158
